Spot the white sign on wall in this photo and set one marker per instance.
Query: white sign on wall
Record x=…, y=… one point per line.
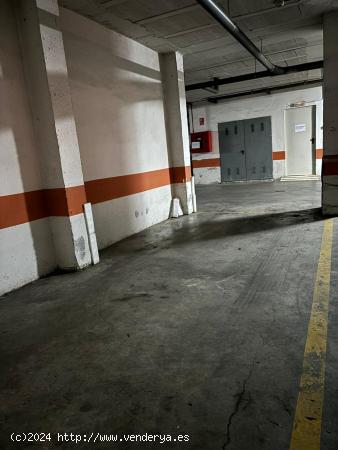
x=300, y=127
x=196, y=144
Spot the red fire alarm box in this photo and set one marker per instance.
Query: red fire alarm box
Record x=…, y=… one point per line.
x=201, y=142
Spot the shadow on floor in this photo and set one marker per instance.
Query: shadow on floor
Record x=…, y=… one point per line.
x=198, y=230
x=218, y=229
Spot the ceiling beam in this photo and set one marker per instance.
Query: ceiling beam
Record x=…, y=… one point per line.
x=172, y=13
x=235, y=61
x=110, y=3
x=266, y=90
x=195, y=7
x=255, y=75
x=191, y=30
x=267, y=10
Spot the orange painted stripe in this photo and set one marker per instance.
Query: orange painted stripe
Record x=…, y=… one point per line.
x=210, y=162
x=16, y=209
x=65, y=202
x=330, y=165
x=21, y=208
x=180, y=174
x=25, y=207
x=216, y=162
x=76, y=198
x=106, y=189
x=278, y=155
x=319, y=153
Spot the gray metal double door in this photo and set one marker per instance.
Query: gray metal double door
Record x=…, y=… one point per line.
x=246, y=149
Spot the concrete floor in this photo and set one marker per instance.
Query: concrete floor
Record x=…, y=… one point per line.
x=195, y=326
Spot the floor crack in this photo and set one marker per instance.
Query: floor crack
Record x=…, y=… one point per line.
x=239, y=398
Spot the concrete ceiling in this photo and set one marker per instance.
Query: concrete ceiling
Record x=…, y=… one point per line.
x=288, y=35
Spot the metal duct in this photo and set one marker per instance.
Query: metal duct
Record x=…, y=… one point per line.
x=239, y=35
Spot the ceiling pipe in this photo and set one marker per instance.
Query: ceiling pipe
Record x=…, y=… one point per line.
x=240, y=36
x=255, y=75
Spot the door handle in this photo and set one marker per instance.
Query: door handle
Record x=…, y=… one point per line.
x=312, y=140
x=242, y=151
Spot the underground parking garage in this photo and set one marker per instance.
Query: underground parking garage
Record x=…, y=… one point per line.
x=168, y=239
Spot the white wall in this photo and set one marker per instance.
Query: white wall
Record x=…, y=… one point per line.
x=268, y=105
x=207, y=175
x=123, y=216
x=26, y=250
x=117, y=99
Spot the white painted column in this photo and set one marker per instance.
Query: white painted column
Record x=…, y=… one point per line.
x=177, y=127
x=50, y=99
x=330, y=119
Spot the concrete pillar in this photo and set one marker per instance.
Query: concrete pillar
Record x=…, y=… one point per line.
x=177, y=127
x=330, y=116
x=50, y=100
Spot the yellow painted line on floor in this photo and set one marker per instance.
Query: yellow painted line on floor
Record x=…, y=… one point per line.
x=308, y=417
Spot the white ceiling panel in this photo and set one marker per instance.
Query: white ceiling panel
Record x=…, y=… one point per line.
x=288, y=35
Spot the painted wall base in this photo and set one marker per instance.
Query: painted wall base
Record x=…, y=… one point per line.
x=330, y=195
